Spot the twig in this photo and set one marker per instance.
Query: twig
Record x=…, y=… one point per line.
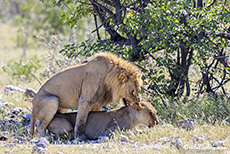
x=101, y=6
x=83, y=2
x=68, y=8
x=35, y=77
x=95, y=19
x=114, y=15
x=214, y=1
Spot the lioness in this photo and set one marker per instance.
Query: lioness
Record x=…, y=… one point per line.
x=104, y=122
x=86, y=87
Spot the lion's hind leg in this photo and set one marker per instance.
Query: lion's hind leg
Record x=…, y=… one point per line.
x=47, y=110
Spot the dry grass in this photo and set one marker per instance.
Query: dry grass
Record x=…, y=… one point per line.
x=10, y=51
x=147, y=142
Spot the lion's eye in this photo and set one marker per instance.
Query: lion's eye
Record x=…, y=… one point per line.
x=132, y=92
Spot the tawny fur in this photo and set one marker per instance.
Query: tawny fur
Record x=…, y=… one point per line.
x=103, y=123
x=89, y=86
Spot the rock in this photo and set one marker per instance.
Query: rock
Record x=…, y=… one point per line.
x=41, y=146
x=217, y=144
x=123, y=138
x=10, y=145
x=15, y=141
x=198, y=138
x=42, y=142
x=39, y=149
x=15, y=111
x=188, y=124
x=164, y=140
x=103, y=138
x=3, y=104
x=30, y=93
x=3, y=138
x=5, y=133
x=23, y=139
x=178, y=143
x=227, y=120
x=12, y=89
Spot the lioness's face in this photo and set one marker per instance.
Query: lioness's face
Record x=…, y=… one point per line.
x=130, y=93
x=148, y=115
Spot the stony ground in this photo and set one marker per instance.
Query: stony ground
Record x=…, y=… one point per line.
x=184, y=137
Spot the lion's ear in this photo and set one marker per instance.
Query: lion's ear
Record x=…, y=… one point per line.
x=123, y=77
x=137, y=106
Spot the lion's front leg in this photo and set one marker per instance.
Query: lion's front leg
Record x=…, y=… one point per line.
x=79, y=129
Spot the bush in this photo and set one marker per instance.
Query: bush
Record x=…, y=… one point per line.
x=211, y=109
x=23, y=70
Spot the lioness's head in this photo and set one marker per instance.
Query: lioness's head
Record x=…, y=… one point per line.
x=147, y=114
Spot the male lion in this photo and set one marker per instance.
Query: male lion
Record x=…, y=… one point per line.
x=86, y=87
x=101, y=123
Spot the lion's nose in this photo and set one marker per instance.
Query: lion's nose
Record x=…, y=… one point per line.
x=157, y=121
x=138, y=100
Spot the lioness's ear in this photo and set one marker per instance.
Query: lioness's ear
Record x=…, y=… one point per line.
x=123, y=77
x=137, y=106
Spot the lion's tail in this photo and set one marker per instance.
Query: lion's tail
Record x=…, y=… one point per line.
x=32, y=124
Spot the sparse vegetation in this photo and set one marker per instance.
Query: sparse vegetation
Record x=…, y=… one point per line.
x=207, y=104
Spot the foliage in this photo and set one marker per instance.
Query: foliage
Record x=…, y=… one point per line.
x=23, y=70
x=164, y=38
x=36, y=67
x=208, y=109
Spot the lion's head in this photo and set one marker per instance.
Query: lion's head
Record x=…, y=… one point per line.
x=123, y=79
x=147, y=114
x=129, y=90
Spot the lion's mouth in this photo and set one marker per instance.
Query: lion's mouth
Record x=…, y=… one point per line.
x=126, y=102
x=151, y=125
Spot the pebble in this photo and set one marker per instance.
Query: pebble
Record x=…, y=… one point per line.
x=10, y=145
x=5, y=132
x=103, y=138
x=3, y=138
x=123, y=138
x=227, y=120
x=39, y=149
x=164, y=140
x=12, y=89
x=23, y=139
x=217, y=144
x=15, y=111
x=42, y=142
x=177, y=143
x=198, y=138
x=188, y=124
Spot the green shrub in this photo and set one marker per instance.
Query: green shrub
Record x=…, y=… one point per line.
x=210, y=109
x=23, y=70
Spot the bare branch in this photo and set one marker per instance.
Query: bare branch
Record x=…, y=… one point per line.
x=68, y=8
x=95, y=20
x=114, y=15
x=214, y=1
x=101, y=6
